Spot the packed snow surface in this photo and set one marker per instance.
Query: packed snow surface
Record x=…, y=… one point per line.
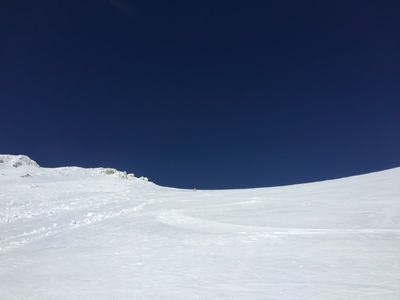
x=75, y=233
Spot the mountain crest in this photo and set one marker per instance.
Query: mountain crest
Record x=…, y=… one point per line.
x=17, y=161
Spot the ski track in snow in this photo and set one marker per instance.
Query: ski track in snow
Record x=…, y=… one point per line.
x=55, y=227
x=179, y=219
x=49, y=214
x=52, y=214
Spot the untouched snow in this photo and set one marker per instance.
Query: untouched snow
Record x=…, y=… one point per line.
x=75, y=233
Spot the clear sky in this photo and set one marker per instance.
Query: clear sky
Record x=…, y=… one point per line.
x=205, y=94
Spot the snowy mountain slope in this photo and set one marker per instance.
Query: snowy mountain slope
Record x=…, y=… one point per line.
x=75, y=233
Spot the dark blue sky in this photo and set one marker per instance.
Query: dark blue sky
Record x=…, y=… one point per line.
x=206, y=94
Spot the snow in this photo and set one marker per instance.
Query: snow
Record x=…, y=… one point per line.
x=75, y=233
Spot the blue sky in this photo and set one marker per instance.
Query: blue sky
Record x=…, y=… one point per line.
x=206, y=94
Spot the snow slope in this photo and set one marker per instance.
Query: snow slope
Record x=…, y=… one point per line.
x=75, y=233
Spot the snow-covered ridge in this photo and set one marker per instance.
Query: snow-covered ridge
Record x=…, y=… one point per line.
x=20, y=162
x=17, y=161
x=113, y=172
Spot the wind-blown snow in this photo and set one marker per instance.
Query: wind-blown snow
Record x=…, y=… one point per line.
x=75, y=233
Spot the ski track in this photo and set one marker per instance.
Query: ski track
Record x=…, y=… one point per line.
x=42, y=222
x=179, y=219
x=88, y=215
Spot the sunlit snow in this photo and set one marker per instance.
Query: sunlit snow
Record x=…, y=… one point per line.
x=75, y=233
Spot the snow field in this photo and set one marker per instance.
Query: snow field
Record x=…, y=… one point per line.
x=74, y=233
